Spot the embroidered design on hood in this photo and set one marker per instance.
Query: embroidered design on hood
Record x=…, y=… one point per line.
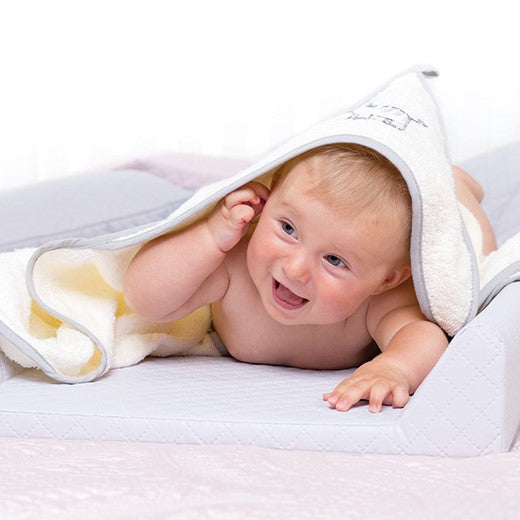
x=389, y=115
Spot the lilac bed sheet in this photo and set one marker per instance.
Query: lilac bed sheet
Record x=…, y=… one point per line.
x=44, y=478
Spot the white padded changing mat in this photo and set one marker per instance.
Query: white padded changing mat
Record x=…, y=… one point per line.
x=467, y=406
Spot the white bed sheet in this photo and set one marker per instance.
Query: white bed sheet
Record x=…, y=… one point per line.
x=49, y=478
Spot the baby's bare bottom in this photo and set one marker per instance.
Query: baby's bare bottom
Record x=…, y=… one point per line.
x=470, y=193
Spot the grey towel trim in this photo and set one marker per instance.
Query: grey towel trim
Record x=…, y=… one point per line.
x=219, y=344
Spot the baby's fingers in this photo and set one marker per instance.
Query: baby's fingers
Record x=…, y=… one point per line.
x=253, y=194
x=241, y=215
x=378, y=393
x=242, y=195
x=400, y=396
x=350, y=396
x=383, y=393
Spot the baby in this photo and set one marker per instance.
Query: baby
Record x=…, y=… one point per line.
x=320, y=280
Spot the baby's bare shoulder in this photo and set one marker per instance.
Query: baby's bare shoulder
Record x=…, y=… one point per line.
x=402, y=296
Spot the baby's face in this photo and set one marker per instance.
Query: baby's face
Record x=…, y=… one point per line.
x=313, y=266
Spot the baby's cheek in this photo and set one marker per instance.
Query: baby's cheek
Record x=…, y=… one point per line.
x=260, y=244
x=339, y=301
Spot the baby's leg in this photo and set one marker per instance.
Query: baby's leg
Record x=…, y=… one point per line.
x=470, y=193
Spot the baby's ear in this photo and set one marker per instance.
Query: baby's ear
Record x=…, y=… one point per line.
x=395, y=278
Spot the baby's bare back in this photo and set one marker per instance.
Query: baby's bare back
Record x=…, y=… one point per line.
x=252, y=336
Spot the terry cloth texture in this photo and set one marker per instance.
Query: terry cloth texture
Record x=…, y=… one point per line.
x=62, y=307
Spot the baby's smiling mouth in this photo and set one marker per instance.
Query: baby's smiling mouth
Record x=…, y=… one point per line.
x=285, y=297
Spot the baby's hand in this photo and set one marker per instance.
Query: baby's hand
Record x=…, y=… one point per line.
x=377, y=382
x=230, y=221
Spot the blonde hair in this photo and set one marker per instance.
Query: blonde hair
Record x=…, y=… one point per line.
x=358, y=178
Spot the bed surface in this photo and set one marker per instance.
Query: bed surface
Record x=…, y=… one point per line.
x=86, y=479
x=155, y=401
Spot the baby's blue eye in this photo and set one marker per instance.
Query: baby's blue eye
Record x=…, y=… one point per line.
x=336, y=261
x=287, y=228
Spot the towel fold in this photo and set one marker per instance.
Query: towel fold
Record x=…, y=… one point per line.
x=87, y=287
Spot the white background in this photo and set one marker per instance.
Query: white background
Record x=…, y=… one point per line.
x=89, y=83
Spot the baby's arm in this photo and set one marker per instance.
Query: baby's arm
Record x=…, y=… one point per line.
x=410, y=346
x=177, y=273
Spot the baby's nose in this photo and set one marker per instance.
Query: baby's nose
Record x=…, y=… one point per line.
x=296, y=268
